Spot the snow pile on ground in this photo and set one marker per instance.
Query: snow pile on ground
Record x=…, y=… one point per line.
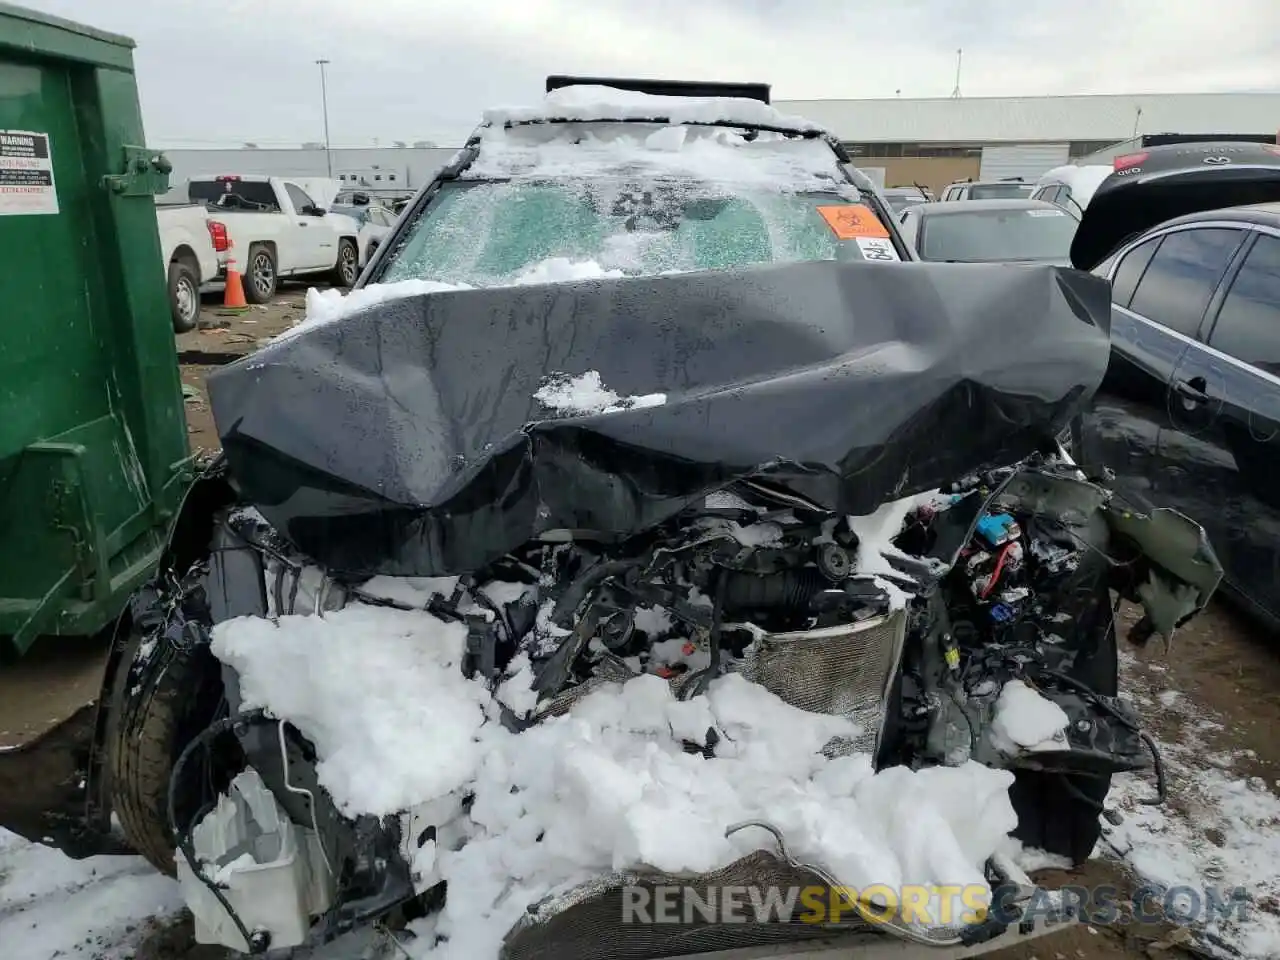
x=93, y=909
x=586, y=394
x=587, y=103
x=1219, y=830
x=607, y=787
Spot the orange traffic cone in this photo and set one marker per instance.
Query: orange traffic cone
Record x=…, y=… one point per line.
x=233, y=296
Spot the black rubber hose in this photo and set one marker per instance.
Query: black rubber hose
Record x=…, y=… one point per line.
x=1157, y=761
x=1157, y=764
x=577, y=591
x=789, y=589
x=717, y=619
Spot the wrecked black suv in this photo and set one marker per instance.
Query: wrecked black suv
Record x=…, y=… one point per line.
x=640, y=523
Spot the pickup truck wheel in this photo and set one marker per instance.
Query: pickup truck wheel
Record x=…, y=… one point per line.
x=184, y=297
x=165, y=694
x=348, y=266
x=1061, y=814
x=260, y=275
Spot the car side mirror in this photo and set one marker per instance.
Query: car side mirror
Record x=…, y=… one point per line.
x=312, y=211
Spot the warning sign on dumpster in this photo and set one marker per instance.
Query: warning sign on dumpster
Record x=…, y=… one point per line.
x=26, y=174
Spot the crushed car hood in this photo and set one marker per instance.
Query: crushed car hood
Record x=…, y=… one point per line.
x=1159, y=184
x=405, y=439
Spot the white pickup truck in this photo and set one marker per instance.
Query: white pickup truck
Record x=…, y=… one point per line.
x=277, y=230
x=192, y=248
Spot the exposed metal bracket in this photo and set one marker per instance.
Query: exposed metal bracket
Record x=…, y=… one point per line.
x=145, y=173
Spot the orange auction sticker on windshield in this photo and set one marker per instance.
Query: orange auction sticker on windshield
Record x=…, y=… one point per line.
x=848, y=221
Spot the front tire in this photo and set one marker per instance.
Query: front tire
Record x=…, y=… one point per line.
x=347, y=269
x=166, y=692
x=184, y=297
x=260, y=275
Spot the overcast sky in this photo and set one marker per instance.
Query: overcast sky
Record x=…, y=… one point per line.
x=220, y=72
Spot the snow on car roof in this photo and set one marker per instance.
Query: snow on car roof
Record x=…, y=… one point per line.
x=589, y=103
x=556, y=151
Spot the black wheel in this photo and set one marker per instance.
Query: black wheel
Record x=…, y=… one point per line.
x=184, y=296
x=1057, y=813
x=166, y=693
x=348, y=267
x=260, y=275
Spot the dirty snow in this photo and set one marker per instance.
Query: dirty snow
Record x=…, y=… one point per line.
x=586, y=103
x=586, y=394
x=606, y=787
x=92, y=909
x=1219, y=829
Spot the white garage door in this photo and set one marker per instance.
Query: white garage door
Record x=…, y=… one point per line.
x=1030, y=161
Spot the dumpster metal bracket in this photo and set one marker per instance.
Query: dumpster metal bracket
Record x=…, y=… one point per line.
x=145, y=173
x=72, y=515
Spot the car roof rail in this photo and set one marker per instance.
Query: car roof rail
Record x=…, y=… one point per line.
x=666, y=88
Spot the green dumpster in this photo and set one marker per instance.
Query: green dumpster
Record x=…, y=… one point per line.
x=94, y=457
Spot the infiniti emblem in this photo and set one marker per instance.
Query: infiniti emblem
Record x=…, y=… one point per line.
x=1217, y=161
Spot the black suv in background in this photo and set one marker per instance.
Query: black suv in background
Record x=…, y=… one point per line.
x=1189, y=414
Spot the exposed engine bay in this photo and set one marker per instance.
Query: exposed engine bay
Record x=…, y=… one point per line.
x=485, y=666
x=923, y=624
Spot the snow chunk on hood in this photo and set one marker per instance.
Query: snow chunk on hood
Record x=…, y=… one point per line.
x=587, y=102
x=326, y=306
x=329, y=306
x=563, y=270
x=586, y=394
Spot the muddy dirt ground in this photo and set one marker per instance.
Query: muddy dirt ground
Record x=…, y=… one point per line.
x=1219, y=662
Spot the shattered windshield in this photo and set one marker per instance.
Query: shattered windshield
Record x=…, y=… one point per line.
x=482, y=233
x=640, y=198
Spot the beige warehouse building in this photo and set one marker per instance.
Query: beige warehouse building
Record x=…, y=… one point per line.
x=937, y=141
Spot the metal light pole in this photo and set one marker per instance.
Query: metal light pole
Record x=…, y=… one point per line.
x=324, y=99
